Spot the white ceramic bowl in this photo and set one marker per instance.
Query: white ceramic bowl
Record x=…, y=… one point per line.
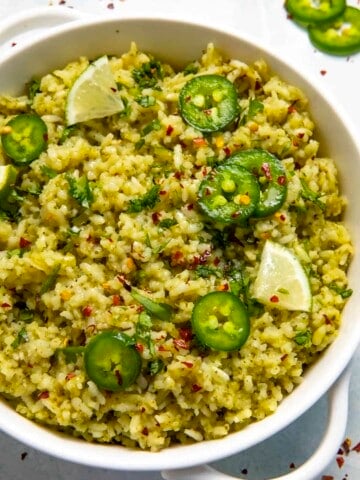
x=179, y=42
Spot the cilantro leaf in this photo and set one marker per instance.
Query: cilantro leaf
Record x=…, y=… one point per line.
x=255, y=106
x=21, y=337
x=143, y=331
x=50, y=281
x=308, y=194
x=148, y=200
x=80, y=190
x=303, y=338
x=148, y=75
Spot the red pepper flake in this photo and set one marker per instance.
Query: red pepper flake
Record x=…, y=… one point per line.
x=295, y=142
x=227, y=151
x=13, y=44
x=23, y=455
x=162, y=348
x=282, y=217
x=139, y=347
x=281, y=180
x=292, y=465
x=116, y=300
x=284, y=357
x=169, y=130
x=190, y=206
x=43, y=395
x=300, y=135
x=323, y=72
x=195, y=388
x=110, y=6
x=356, y=448
x=70, y=375
x=5, y=305
x=274, y=299
x=155, y=217
x=24, y=243
x=178, y=175
x=142, y=409
x=257, y=85
x=163, y=192
x=327, y=477
x=181, y=344
x=244, y=471
x=265, y=167
x=87, y=311
x=185, y=333
x=291, y=108
x=340, y=461
x=145, y=431
x=188, y=364
x=124, y=282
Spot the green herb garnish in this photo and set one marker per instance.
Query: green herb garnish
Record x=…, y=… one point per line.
x=148, y=200
x=80, y=190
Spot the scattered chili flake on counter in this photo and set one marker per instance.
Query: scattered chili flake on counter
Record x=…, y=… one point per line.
x=356, y=448
x=340, y=461
x=323, y=72
x=23, y=455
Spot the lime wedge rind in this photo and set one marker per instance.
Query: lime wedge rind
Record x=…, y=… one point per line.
x=8, y=175
x=281, y=281
x=94, y=94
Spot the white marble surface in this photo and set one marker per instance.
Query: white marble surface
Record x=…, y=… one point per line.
x=266, y=19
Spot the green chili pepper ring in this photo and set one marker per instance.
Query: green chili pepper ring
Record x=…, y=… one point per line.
x=26, y=139
x=229, y=194
x=271, y=176
x=310, y=12
x=220, y=321
x=110, y=362
x=209, y=102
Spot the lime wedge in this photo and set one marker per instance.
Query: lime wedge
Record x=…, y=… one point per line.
x=7, y=179
x=281, y=281
x=94, y=94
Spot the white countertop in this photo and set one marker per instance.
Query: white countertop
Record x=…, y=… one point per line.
x=292, y=446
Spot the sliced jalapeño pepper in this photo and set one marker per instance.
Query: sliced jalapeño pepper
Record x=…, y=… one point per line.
x=110, y=362
x=339, y=37
x=314, y=12
x=209, y=102
x=229, y=194
x=271, y=177
x=220, y=321
x=25, y=139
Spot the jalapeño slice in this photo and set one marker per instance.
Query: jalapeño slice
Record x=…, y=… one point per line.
x=208, y=102
x=339, y=37
x=271, y=177
x=229, y=194
x=315, y=11
x=220, y=321
x=110, y=362
x=25, y=139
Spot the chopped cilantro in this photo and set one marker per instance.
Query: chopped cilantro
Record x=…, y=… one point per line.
x=71, y=353
x=155, y=125
x=167, y=223
x=143, y=331
x=33, y=88
x=21, y=337
x=303, y=338
x=48, y=172
x=80, y=190
x=66, y=133
x=50, y=281
x=146, y=101
x=255, y=107
x=156, y=366
x=148, y=200
x=192, y=67
x=343, y=292
x=308, y=194
x=148, y=75
x=205, y=271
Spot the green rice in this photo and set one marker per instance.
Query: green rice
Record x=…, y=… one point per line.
x=66, y=260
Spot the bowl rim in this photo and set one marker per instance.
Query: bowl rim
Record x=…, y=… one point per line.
x=121, y=458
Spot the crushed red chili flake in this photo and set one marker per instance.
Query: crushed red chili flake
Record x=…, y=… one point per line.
x=13, y=44
x=265, y=167
x=43, y=395
x=185, y=333
x=169, y=130
x=110, y=6
x=292, y=465
x=195, y=388
x=5, y=305
x=327, y=477
x=281, y=180
x=284, y=357
x=142, y=409
x=340, y=461
x=227, y=151
x=190, y=206
x=155, y=217
x=24, y=243
x=162, y=192
x=274, y=299
x=257, y=85
x=356, y=448
x=70, y=375
x=188, y=364
x=327, y=320
x=323, y=72
x=301, y=135
x=181, y=344
x=87, y=311
x=178, y=175
x=162, y=348
x=23, y=455
x=145, y=431
x=116, y=300
x=199, y=142
x=124, y=282
x=139, y=347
